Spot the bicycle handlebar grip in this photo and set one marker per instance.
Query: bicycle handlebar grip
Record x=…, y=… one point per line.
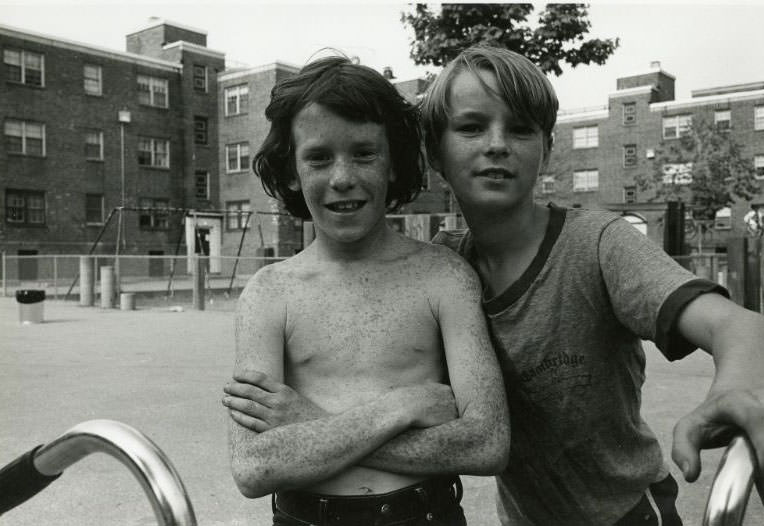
x=20, y=481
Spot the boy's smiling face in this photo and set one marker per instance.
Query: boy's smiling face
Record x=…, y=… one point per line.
x=343, y=170
x=488, y=155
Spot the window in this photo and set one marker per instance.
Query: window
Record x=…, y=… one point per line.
x=202, y=185
x=237, y=157
x=236, y=99
x=585, y=180
x=200, y=130
x=758, y=165
x=92, y=79
x=94, y=145
x=24, y=67
x=629, y=194
x=587, y=137
x=24, y=137
x=723, y=219
x=629, y=155
x=152, y=91
x=200, y=78
x=629, y=113
x=547, y=184
x=675, y=127
x=758, y=118
x=24, y=207
x=237, y=213
x=94, y=209
x=153, y=152
x=677, y=173
x=722, y=120
x=151, y=215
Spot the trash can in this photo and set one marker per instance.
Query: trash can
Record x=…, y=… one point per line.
x=31, y=303
x=127, y=301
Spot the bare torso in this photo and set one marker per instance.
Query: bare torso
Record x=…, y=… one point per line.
x=354, y=332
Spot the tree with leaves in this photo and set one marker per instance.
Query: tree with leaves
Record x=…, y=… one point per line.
x=704, y=168
x=558, y=36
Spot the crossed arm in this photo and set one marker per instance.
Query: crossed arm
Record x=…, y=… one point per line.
x=424, y=429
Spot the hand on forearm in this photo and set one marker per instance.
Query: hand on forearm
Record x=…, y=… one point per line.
x=259, y=403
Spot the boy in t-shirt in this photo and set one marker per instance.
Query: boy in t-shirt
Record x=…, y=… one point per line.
x=569, y=294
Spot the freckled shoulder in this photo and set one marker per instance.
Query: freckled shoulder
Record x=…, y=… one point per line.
x=444, y=275
x=450, y=266
x=268, y=284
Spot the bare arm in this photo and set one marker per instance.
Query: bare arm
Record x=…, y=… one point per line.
x=303, y=453
x=475, y=443
x=735, y=338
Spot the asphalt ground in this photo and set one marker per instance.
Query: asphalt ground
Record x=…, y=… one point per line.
x=161, y=371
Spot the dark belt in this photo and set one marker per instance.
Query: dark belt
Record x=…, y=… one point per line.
x=424, y=499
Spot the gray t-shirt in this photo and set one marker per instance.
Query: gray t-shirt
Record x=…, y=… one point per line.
x=568, y=335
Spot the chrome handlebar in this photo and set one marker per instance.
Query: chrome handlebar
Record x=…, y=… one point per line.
x=732, y=485
x=132, y=448
x=727, y=499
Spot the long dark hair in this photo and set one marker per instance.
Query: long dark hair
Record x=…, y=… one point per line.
x=356, y=93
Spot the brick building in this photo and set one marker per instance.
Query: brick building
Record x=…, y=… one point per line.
x=243, y=95
x=87, y=129
x=599, y=151
x=169, y=127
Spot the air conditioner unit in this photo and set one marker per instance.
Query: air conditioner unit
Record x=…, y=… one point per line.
x=650, y=153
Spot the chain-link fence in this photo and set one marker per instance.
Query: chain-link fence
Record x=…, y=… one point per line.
x=152, y=278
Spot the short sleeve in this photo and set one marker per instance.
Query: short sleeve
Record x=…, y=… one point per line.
x=640, y=277
x=667, y=337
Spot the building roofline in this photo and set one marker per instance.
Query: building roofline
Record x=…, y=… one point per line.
x=648, y=72
x=258, y=69
x=195, y=48
x=706, y=101
x=585, y=114
x=156, y=21
x=638, y=90
x=731, y=88
x=86, y=48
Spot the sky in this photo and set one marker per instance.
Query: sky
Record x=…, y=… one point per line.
x=703, y=44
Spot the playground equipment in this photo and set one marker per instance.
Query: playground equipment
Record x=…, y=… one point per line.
x=32, y=472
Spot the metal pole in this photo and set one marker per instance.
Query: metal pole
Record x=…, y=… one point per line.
x=55, y=278
x=238, y=252
x=177, y=249
x=5, y=268
x=122, y=162
x=198, y=282
x=116, y=252
x=120, y=223
x=92, y=249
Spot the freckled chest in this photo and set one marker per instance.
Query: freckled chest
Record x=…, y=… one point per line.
x=366, y=332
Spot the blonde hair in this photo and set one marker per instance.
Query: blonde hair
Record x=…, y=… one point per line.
x=522, y=86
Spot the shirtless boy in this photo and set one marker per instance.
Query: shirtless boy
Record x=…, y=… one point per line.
x=381, y=332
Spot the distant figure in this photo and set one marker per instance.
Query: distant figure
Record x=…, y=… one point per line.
x=365, y=377
x=753, y=221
